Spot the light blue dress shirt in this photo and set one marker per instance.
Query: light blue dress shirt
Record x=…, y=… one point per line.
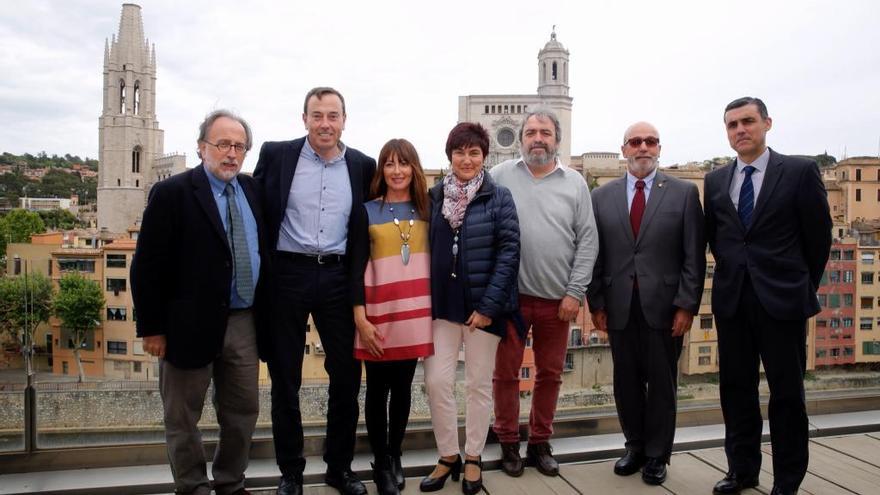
x=250, y=230
x=318, y=205
x=631, y=187
x=760, y=165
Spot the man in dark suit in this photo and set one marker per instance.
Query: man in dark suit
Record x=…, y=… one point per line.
x=769, y=227
x=197, y=290
x=311, y=185
x=646, y=288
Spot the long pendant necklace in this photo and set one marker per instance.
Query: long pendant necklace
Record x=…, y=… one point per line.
x=404, y=236
x=455, y=250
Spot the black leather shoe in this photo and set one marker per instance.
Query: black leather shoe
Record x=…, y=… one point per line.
x=734, y=484
x=779, y=491
x=397, y=471
x=630, y=463
x=654, y=472
x=345, y=481
x=430, y=484
x=469, y=487
x=290, y=485
x=540, y=456
x=384, y=478
x=511, y=462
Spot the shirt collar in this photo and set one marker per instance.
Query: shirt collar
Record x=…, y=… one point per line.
x=760, y=163
x=557, y=165
x=217, y=185
x=649, y=180
x=311, y=153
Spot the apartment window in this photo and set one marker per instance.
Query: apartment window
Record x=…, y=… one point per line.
x=16, y=266
x=76, y=265
x=115, y=261
x=858, y=174
x=835, y=352
x=865, y=324
x=821, y=324
x=847, y=300
x=835, y=323
x=705, y=349
x=710, y=270
x=834, y=277
x=866, y=302
x=833, y=300
x=137, y=367
x=116, y=285
x=524, y=372
x=116, y=314
x=847, y=276
x=835, y=254
x=705, y=322
x=116, y=347
x=868, y=258
x=823, y=300
x=867, y=278
x=137, y=348
x=576, y=339
x=704, y=360
x=848, y=351
x=849, y=255
x=529, y=341
x=847, y=323
x=569, y=362
x=871, y=348
x=858, y=194
x=821, y=353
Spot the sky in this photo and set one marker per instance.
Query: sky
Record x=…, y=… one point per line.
x=401, y=66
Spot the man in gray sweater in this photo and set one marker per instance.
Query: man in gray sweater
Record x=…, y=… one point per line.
x=559, y=247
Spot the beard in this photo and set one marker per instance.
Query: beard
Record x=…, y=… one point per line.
x=641, y=168
x=539, y=155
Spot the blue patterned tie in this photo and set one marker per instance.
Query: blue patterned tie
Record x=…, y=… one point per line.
x=235, y=234
x=746, y=197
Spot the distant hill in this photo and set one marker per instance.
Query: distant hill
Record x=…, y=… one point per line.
x=42, y=160
x=43, y=176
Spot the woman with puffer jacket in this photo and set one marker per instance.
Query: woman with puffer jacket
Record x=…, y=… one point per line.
x=474, y=237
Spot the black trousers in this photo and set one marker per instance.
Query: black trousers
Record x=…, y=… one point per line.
x=645, y=381
x=751, y=337
x=387, y=404
x=305, y=287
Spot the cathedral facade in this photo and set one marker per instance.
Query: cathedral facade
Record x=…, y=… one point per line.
x=502, y=115
x=130, y=142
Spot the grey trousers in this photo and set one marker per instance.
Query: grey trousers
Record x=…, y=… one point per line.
x=236, y=400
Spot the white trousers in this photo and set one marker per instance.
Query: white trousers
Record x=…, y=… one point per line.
x=479, y=364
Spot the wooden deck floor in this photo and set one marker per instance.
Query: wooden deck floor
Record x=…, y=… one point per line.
x=838, y=465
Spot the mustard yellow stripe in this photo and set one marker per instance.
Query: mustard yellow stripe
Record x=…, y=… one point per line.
x=385, y=239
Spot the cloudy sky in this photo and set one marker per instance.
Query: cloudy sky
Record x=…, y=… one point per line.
x=402, y=65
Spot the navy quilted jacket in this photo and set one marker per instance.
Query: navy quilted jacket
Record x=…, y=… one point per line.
x=489, y=251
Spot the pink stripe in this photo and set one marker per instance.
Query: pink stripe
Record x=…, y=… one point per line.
x=403, y=333
x=397, y=354
x=398, y=305
x=391, y=269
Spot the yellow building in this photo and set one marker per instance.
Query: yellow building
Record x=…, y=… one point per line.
x=859, y=182
x=867, y=297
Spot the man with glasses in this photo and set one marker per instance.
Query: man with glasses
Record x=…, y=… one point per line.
x=311, y=185
x=559, y=244
x=769, y=227
x=646, y=288
x=198, y=293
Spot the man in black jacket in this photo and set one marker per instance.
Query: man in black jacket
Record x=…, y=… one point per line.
x=769, y=227
x=196, y=286
x=311, y=185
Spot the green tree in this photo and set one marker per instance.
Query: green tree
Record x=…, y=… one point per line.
x=18, y=226
x=59, y=219
x=25, y=303
x=78, y=305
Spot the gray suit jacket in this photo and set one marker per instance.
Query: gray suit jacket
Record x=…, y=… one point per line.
x=669, y=255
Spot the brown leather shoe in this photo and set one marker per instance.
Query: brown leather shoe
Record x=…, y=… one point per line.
x=539, y=455
x=511, y=462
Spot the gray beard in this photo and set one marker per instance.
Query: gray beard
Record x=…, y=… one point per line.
x=537, y=158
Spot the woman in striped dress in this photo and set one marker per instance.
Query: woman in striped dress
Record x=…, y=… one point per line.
x=392, y=300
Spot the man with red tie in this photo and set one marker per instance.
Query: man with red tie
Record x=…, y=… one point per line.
x=646, y=288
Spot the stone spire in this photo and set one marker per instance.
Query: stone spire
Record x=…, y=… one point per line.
x=553, y=68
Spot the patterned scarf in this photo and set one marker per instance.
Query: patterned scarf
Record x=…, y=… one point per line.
x=457, y=195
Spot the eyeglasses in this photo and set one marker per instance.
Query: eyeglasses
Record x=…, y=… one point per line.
x=636, y=142
x=225, y=147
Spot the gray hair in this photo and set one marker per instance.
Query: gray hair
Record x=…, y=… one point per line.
x=212, y=117
x=542, y=111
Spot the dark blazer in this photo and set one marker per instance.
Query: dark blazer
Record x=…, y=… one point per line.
x=489, y=251
x=783, y=251
x=669, y=255
x=182, y=269
x=274, y=174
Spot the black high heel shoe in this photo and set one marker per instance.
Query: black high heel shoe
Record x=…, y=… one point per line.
x=430, y=484
x=469, y=487
x=397, y=471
